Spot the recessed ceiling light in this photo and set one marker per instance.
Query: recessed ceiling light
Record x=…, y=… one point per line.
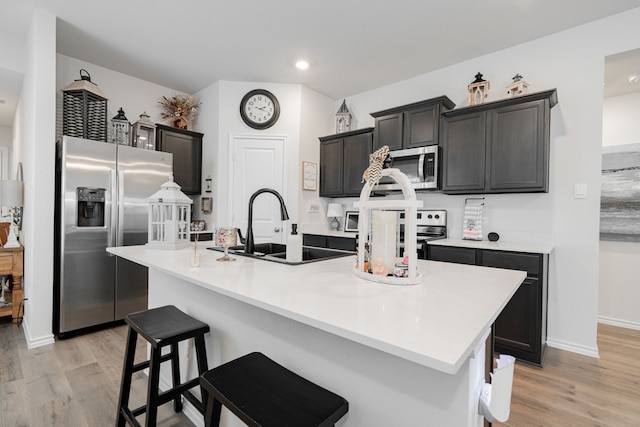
x=634, y=78
x=302, y=65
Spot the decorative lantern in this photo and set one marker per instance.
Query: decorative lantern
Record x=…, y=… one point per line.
x=518, y=87
x=121, y=128
x=478, y=90
x=144, y=133
x=343, y=118
x=84, y=109
x=169, y=217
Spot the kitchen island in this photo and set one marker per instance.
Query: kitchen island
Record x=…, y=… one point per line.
x=401, y=355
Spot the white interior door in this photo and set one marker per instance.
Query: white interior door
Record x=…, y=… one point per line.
x=258, y=162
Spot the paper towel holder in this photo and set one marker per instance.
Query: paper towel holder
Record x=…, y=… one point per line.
x=495, y=398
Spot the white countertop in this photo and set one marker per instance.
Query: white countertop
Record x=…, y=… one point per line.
x=436, y=323
x=535, y=248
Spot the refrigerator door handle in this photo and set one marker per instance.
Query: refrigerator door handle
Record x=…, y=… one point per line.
x=120, y=202
x=111, y=235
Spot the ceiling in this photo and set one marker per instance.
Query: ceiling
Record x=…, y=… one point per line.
x=352, y=46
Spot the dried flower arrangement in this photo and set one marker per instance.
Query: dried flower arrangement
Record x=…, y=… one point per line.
x=179, y=109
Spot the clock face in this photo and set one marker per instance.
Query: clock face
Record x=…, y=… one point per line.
x=259, y=109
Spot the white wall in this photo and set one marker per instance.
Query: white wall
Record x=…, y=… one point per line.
x=572, y=62
x=619, y=293
x=317, y=118
x=34, y=128
x=303, y=113
x=6, y=142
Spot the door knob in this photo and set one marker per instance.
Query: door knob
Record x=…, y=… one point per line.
x=277, y=229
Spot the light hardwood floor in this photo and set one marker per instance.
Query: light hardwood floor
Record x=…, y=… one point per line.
x=72, y=383
x=75, y=383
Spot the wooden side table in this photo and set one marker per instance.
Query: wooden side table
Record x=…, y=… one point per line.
x=11, y=263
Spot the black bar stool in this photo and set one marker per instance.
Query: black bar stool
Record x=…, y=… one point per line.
x=263, y=393
x=161, y=327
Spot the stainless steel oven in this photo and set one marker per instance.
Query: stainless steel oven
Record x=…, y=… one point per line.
x=431, y=225
x=419, y=164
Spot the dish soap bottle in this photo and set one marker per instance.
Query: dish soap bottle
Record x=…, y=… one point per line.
x=294, y=245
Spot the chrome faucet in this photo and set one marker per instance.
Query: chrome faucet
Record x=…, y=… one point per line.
x=249, y=246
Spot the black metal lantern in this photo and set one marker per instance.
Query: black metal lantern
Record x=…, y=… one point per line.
x=84, y=109
x=121, y=128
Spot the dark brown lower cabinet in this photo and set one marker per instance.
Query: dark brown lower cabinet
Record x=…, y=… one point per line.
x=331, y=242
x=521, y=329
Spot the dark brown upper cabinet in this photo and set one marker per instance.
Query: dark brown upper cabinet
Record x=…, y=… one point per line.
x=186, y=147
x=411, y=125
x=498, y=147
x=343, y=159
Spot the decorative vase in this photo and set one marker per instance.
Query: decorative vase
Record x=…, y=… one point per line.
x=180, y=123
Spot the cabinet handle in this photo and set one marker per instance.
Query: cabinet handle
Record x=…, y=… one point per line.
x=277, y=229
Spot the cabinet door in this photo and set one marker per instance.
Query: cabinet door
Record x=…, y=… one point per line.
x=315, y=240
x=331, y=168
x=517, y=328
x=451, y=254
x=388, y=131
x=463, y=153
x=356, y=152
x=342, y=243
x=519, y=148
x=421, y=127
x=186, y=148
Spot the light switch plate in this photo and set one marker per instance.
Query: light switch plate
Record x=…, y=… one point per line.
x=580, y=191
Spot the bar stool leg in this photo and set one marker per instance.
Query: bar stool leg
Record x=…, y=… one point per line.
x=203, y=365
x=175, y=374
x=213, y=409
x=127, y=373
x=153, y=383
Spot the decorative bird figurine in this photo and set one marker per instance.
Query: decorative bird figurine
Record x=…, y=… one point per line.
x=373, y=173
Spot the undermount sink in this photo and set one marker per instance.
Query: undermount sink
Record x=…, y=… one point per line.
x=277, y=252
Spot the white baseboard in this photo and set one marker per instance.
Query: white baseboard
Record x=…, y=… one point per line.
x=569, y=346
x=34, y=342
x=619, y=322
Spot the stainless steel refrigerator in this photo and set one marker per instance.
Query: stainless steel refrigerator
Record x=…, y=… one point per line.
x=101, y=201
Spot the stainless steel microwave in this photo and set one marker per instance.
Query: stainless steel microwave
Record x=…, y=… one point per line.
x=419, y=164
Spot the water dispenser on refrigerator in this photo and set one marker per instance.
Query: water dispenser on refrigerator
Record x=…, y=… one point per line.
x=90, y=207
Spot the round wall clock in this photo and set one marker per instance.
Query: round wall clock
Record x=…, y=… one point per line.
x=259, y=109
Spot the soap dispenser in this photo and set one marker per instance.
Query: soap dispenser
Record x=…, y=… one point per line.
x=294, y=245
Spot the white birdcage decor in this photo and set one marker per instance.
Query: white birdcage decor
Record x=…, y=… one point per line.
x=169, y=217
x=518, y=87
x=121, y=128
x=478, y=90
x=144, y=133
x=343, y=118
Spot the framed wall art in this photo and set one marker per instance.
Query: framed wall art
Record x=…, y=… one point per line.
x=620, y=193
x=309, y=176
